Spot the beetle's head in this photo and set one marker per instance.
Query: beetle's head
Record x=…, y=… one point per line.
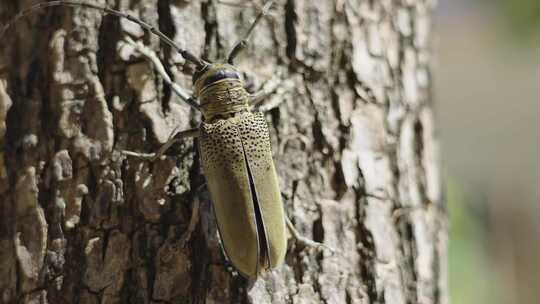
x=220, y=90
x=215, y=73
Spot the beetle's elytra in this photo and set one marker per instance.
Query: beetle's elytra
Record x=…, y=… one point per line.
x=237, y=160
x=235, y=154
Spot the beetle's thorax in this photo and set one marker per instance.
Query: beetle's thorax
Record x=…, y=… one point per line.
x=220, y=91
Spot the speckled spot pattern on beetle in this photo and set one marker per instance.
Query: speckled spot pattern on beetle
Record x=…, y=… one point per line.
x=237, y=161
x=223, y=141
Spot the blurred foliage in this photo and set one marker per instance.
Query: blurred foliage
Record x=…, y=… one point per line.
x=523, y=16
x=472, y=280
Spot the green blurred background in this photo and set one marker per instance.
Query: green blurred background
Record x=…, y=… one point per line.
x=487, y=82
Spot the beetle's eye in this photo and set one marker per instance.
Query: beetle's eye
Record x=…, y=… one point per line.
x=198, y=73
x=221, y=74
x=232, y=74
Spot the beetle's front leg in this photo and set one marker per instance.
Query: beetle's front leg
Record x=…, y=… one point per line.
x=191, y=133
x=262, y=101
x=303, y=240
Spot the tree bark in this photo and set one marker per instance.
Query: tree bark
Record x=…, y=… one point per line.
x=353, y=144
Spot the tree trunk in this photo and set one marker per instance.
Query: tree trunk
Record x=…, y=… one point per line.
x=353, y=144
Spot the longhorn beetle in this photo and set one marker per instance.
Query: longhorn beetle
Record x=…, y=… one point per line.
x=235, y=151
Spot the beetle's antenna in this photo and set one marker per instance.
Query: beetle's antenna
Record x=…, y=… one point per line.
x=242, y=44
x=186, y=54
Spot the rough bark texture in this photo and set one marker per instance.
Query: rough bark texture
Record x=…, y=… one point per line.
x=353, y=142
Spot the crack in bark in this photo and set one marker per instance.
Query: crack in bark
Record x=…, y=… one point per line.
x=290, y=20
x=166, y=26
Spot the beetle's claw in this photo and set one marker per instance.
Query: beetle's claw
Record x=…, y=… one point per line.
x=304, y=240
x=186, y=237
x=310, y=243
x=192, y=223
x=332, y=250
x=143, y=156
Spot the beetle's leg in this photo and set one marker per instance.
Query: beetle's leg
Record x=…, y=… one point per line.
x=304, y=139
x=303, y=240
x=153, y=58
x=260, y=100
x=175, y=138
x=237, y=4
x=194, y=219
x=242, y=44
x=257, y=98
